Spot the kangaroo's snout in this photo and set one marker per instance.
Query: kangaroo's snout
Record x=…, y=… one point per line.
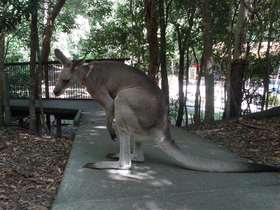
x=57, y=92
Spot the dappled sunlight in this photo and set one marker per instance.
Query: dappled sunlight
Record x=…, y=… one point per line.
x=94, y=134
x=100, y=127
x=136, y=175
x=152, y=205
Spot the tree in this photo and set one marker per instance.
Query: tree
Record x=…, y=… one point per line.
x=12, y=13
x=151, y=24
x=2, y=58
x=208, y=60
x=266, y=62
x=239, y=59
x=183, y=24
x=228, y=61
x=117, y=33
x=46, y=46
x=163, y=16
x=197, y=102
x=32, y=77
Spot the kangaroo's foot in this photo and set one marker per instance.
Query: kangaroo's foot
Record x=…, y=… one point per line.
x=135, y=157
x=113, y=155
x=108, y=165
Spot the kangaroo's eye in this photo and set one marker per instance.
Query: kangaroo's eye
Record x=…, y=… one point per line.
x=66, y=80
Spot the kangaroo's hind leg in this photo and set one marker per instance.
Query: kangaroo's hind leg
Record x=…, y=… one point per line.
x=137, y=153
x=124, y=156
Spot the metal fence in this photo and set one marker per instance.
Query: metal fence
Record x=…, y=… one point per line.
x=18, y=78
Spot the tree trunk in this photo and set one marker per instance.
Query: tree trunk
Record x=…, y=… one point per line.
x=40, y=67
x=187, y=82
x=228, y=63
x=151, y=24
x=47, y=40
x=239, y=59
x=273, y=112
x=208, y=61
x=33, y=47
x=164, y=78
x=47, y=46
x=2, y=61
x=197, y=93
x=237, y=75
x=180, y=79
x=266, y=64
x=181, y=91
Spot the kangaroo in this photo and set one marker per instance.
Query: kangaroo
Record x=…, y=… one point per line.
x=137, y=104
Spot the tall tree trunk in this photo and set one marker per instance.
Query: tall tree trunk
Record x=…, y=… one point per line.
x=239, y=59
x=40, y=68
x=228, y=62
x=164, y=78
x=151, y=24
x=47, y=40
x=208, y=60
x=187, y=82
x=49, y=22
x=197, y=93
x=180, y=79
x=2, y=61
x=266, y=64
x=33, y=48
x=39, y=82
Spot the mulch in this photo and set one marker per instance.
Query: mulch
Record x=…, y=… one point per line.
x=257, y=140
x=31, y=168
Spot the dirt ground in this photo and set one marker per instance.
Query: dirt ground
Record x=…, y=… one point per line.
x=257, y=140
x=32, y=165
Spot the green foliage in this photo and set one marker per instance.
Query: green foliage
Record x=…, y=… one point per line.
x=14, y=55
x=17, y=45
x=274, y=99
x=17, y=11
x=114, y=29
x=174, y=107
x=65, y=21
x=255, y=69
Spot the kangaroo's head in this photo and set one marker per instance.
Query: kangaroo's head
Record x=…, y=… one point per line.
x=69, y=74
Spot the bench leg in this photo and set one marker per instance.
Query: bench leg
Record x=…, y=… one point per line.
x=20, y=123
x=48, y=121
x=58, y=126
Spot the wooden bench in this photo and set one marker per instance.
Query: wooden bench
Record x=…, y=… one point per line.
x=20, y=112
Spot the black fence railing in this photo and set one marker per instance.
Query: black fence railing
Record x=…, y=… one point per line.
x=18, y=78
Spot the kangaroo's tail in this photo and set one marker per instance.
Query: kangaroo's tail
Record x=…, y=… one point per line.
x=198, y=164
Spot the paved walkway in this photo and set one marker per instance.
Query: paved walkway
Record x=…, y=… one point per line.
x=158, y=183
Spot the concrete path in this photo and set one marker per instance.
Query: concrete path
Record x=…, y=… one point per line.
x=158, y=183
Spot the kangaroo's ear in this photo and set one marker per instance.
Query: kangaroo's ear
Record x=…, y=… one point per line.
x=61, y=57
x=76, y=64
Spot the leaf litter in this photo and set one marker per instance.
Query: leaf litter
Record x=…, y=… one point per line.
x=257, y=140
x=31, y=168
